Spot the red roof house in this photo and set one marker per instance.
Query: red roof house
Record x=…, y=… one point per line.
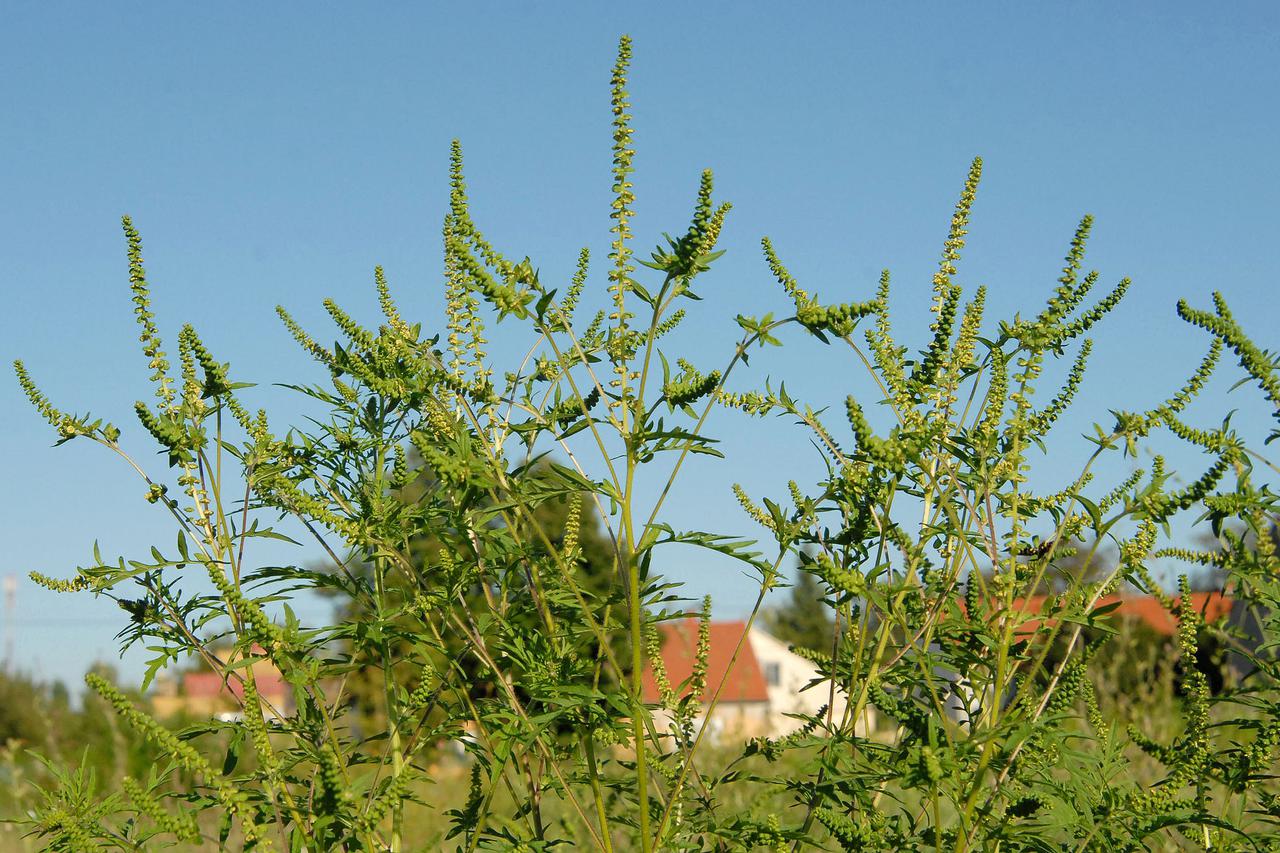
x=744, y=683
x=1142, y=608
x=765, y=690
x=202, y=693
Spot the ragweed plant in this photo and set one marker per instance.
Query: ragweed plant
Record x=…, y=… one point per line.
x=935, y=552
x=448, y=497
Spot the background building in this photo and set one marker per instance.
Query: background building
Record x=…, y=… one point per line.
x=758, y=689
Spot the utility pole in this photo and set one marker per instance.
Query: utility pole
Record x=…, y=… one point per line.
x=10, y=611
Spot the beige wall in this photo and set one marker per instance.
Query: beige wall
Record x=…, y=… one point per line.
x=732, y=721
x=789, y=695
x=742, y=720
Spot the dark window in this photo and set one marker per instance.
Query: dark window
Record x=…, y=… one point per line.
x=772, y=674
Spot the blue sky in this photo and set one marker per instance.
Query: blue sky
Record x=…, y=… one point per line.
x=275, y=155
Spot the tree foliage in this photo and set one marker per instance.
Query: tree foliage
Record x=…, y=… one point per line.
x=804, y=619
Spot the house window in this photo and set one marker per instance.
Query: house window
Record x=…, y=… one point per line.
x=772, y=674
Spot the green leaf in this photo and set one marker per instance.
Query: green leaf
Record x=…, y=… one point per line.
x=234, y=747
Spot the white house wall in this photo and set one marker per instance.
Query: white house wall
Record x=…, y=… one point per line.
x=789, y=695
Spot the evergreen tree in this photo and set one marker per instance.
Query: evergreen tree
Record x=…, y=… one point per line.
x=805, y=619
x=595, y=576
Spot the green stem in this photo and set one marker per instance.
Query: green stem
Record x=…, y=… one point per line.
x=638, y=711
x=597, y=792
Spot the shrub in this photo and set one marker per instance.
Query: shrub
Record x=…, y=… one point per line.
x=923, y=535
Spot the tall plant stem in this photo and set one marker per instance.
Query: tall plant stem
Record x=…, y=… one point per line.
x=597, y=793
x=635, y=601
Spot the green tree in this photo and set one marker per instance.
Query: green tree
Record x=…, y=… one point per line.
x=24, y=711
x=595, y=575
x=805, y=619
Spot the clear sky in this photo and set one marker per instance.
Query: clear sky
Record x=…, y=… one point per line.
x=274, y=153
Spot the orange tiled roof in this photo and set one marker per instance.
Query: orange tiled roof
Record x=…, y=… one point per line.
x=210, y=684
x=1144, y=608
x=745, y=683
